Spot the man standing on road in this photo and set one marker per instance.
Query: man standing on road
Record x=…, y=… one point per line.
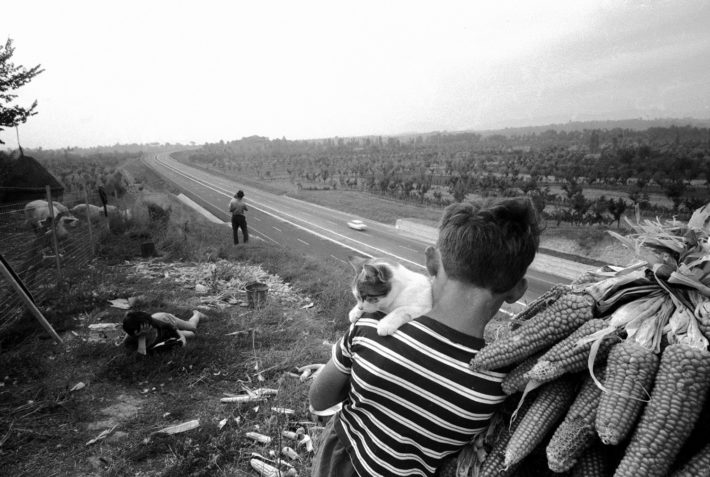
x=237, y=208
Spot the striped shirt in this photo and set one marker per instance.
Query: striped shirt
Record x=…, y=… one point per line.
x=413, y=399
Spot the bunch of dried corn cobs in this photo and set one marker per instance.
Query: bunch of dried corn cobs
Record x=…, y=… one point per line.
x=610, y=375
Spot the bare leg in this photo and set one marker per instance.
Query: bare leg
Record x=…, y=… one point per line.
x=189, y=325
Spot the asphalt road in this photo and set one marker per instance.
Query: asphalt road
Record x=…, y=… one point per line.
x=308, y=228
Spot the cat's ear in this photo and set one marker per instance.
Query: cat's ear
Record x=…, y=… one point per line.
x=370, y=270
x=356, y=262
x=433, y=260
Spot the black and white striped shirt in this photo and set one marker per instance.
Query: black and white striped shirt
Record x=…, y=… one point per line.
x=413, y=399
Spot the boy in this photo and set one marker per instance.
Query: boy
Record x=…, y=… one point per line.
x=147, y=333
x=410, y=399
x=237, y=208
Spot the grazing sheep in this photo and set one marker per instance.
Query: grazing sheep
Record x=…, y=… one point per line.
x=37, y=215
x=96, y=211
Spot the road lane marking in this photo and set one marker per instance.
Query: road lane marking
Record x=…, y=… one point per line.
x=303, y=241
x=283, y=219
x=408, y=248
x=277, y=229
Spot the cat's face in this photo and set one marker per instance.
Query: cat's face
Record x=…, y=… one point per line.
x=372, y=283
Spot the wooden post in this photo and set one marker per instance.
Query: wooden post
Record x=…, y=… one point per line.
x=14, y=280
x=88, y=220
x=55, y=242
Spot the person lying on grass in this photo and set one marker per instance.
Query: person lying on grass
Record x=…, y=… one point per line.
x=148, y=333
x=409, y=400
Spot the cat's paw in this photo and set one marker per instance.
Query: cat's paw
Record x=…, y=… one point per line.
x=355, y=314
x=387, y=327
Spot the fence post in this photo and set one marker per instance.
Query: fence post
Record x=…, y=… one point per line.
x=88, y=220
x=16, y=283
x=55, y=242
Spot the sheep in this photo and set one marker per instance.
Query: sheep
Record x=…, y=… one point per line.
x=37, y=215
x=96, y=211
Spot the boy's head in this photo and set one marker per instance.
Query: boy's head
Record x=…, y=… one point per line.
x=489, y=244
x=133, y=320
x=239, y=194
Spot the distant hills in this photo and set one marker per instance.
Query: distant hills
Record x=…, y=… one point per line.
x=633, y=124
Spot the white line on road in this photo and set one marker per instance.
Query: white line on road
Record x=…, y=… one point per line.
x=277, y=229
x=408, y=248
x=303, y=241
x=204, y=184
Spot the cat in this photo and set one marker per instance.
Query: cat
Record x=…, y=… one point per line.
x=389, y=287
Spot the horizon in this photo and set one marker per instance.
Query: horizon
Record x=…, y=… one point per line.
x=179, y=73
x=677, y=122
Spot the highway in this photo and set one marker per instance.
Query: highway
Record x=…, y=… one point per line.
x=309, y=228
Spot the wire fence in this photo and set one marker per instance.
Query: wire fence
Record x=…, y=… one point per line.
x=48, y=246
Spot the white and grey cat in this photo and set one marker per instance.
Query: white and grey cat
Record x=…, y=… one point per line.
x=387, y=286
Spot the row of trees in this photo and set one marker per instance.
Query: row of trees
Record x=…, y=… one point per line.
x=667, y=163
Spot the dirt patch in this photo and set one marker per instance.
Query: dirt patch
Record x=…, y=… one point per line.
x=125, y=408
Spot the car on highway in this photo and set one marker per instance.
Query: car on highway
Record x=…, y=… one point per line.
x=357, y=224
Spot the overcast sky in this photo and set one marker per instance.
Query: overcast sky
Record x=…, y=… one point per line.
x=177, y=71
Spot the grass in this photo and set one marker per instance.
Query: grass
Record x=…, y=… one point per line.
x=45, y=426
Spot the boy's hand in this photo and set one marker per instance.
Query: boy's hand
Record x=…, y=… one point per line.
x=143, y=330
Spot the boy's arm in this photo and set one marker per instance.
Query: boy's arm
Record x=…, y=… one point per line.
x=329, y=387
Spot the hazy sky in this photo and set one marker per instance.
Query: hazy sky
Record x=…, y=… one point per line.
x=177, y=71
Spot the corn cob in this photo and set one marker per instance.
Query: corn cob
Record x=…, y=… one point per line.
x=493, y=464
x=569, y=357
x=630, y=371
x=546, y=410
x=541, y=303
x=515, y=380
x=593, y=463
x=677, y=398
x=698, y=466
x=576, y=432
x=539, y=332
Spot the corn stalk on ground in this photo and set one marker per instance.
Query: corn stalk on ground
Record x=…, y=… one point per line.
x=632, y=344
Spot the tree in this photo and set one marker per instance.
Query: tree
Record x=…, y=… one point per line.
x=11, y=78
x=617, y=208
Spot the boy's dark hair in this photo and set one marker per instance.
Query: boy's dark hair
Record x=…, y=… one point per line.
x=239, y=194
x=133, y=320
x=489, y=244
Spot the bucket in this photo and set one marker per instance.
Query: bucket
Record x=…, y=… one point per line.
x=256, y=294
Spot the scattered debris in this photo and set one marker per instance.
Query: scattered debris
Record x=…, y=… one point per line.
x=283, y=410
x=101, y=436
x=121, y=303
x=259, y=437
x=77, y=387
x=222, y=423
x=105, y=332
x=242, y=398
x=178, y=428
x=290, y=453
x=306, y=442
x=223, y=282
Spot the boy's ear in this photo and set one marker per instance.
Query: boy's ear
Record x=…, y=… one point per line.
x=517, y=292
x=433, y=260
